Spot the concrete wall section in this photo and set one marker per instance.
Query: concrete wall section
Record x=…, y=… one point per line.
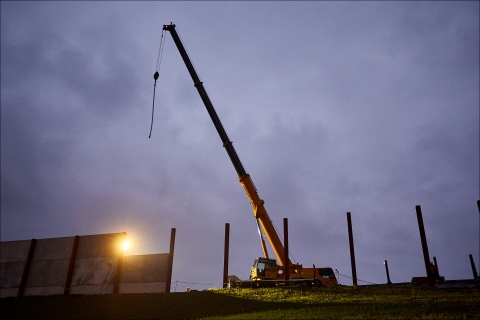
x=95, y=267
x=95, y=255
x=100, y=245
x=153, y=287
x=144, y=268
x=13, y=255
x=90, y=273
x=49, y=267
x=144, y=273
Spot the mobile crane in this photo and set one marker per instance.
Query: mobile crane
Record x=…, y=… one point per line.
x=265, y=271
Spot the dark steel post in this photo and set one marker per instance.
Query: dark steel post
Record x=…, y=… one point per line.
x=388, y=274
x=225, y=255
x=352, y=249
x=285, y=253
x=437, y=273
x=26, y=269
x=73, y=256
x=423, y=238
x=118, y=271
x=170, y=261
x=474, y=270
x=478, y=206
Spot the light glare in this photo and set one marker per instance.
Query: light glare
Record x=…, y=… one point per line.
x=125, y=245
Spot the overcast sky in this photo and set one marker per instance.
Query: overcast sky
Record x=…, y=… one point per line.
x=333, y=107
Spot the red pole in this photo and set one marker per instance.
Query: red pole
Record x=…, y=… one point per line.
x=170, y=261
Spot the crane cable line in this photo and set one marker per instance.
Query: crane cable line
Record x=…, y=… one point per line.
x=156, y=75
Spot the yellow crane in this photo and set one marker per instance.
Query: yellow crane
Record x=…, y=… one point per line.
x=265, y=270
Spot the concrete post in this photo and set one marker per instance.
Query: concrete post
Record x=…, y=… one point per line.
x=170, y=261
x=423, y=238
x=352, y=249
x=225, y=255
x=285, y=253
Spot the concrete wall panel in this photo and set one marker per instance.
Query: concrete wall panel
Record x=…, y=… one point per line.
x=91, y=271
x=14, y=251
x=47, y=273
x=12, y=292
x=144, y=268
x=11, y=274
x=151, y=287
x=43, y=291
x=94, y=259
x=53, y=249
x=90, y=289
x=101, y=245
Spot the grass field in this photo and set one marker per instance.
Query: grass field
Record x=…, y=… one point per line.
x=340, y=302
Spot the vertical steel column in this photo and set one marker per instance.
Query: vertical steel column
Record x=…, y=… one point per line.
x=423, y=238
x=170, y=261
x=26, y=269
x=285, y=252
x=352, y=249
x=478, y=206
x=225, y=255
x=73, y=256
x=437, y=273
x=118, y=272
x=388, y=274
x=474, y=270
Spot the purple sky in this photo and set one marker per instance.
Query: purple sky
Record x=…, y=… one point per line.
x=367, y=107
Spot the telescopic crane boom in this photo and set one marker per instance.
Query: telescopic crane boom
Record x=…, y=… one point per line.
x=259, y=210
x=260, y=213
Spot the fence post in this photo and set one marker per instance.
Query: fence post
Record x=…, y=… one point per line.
x=423, y=238
x=225, y=255
x=352, y=249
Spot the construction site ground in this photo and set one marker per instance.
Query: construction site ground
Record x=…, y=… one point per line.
x=405, y=301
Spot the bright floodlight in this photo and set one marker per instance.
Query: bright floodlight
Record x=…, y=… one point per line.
x=125, y=245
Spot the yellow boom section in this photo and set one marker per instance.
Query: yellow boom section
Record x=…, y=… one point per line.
x=261, y=214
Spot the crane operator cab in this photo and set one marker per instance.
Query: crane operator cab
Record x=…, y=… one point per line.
x=264, y=269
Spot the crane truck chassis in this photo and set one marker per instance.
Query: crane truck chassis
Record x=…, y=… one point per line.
x=265, y=271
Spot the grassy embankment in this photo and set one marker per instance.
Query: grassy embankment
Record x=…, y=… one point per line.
x=321, y=303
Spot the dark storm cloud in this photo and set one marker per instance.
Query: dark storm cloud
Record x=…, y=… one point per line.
x=333, y=107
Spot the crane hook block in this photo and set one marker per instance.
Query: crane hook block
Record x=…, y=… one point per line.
x=155, y=76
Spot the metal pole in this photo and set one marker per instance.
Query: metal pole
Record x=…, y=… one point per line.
x=285, y=252
x=352, y=249
x=73, y=256
x=423, y=238
x=478, y=206
x=474, y=270
x=118, y=272
x=437, y=273
x=388, y=274
x=170, y=261
x=225, y=255
x=26, y=269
